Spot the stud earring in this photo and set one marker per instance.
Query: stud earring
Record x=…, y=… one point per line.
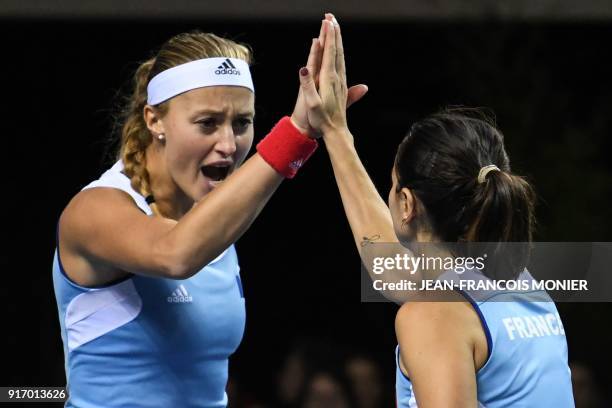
x=161, y=136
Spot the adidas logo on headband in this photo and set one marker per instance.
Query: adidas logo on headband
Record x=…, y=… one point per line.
x=227, y=68
x=198, y=74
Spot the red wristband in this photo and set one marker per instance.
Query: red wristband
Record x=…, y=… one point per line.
x=285, y=148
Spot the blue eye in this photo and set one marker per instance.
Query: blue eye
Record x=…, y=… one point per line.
x=241, y=125
x=208, y=123
x=244, y=122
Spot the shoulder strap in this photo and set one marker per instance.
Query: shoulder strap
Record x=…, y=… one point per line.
x=115, y=178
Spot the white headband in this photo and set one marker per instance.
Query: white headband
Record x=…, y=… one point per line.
x=198, y=74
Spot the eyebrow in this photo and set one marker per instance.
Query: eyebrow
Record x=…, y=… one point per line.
x=221, y=112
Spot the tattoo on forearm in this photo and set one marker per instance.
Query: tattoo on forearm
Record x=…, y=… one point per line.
x=365, y=241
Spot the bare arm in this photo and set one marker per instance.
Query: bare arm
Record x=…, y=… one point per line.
x=367, y=213
x=103, y=228
x=442, y=368
x=120, y=239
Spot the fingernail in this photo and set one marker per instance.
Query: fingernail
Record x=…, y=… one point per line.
x=303, y=71
x=335, y=21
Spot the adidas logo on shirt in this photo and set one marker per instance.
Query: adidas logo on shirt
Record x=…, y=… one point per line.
x=227, y=68
x=180, y=295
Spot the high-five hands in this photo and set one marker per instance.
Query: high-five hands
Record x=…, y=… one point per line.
x=323, y=96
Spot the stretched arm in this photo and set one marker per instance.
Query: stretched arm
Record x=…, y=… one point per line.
x=120, y=239
x=103, y=234
x=367, y=213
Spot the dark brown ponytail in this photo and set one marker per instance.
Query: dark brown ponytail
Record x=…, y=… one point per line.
x=504, y=209
x=440, y=159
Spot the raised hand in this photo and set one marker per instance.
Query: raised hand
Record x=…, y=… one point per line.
x=300, y=112
x=323, y=96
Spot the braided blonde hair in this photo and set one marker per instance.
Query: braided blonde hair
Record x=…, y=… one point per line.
x=135, y=136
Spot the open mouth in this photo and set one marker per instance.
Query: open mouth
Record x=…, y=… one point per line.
x=215, y=172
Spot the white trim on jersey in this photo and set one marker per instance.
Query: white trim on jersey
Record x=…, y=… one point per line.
x=99, y=311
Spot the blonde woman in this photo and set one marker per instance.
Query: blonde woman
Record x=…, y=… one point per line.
x=145, y=273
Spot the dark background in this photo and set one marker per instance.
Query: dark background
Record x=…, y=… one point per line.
x=548, y=83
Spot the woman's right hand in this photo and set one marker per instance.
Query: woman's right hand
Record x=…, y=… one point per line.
x=323, y=96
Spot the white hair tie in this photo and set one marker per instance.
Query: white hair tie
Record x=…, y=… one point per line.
x=482, y=174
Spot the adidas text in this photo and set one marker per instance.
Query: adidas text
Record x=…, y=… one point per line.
x=227, y=72
x=180, y=299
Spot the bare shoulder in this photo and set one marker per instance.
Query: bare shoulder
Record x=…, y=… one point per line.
x=447, y=311
x=438, y=345
x=88, y=199
x=93, y=217
x=441, y=320
x=92, y=209
x=98, y=201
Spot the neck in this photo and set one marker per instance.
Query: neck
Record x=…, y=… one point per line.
x=429, y=245
x=170, y=200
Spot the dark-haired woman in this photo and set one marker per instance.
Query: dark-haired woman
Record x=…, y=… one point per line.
x=451, y=183
x=145, y=274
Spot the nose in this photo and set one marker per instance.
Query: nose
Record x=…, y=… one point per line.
x=226, y=143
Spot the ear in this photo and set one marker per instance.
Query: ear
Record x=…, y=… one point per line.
x=407, y=204
x=152, y=119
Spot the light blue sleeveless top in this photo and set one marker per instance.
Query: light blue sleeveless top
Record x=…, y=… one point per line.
x=150, y=342
x=527, y=362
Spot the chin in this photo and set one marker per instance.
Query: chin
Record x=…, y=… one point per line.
x=209, y=185
x=201, y=192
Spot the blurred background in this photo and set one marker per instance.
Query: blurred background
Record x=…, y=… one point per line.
x=543, y=67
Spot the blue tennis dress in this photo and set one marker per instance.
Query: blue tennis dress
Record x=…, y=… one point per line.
x=150, y=342
x=527, y=362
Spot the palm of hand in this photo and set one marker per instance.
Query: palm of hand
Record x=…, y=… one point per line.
x=323, y=96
